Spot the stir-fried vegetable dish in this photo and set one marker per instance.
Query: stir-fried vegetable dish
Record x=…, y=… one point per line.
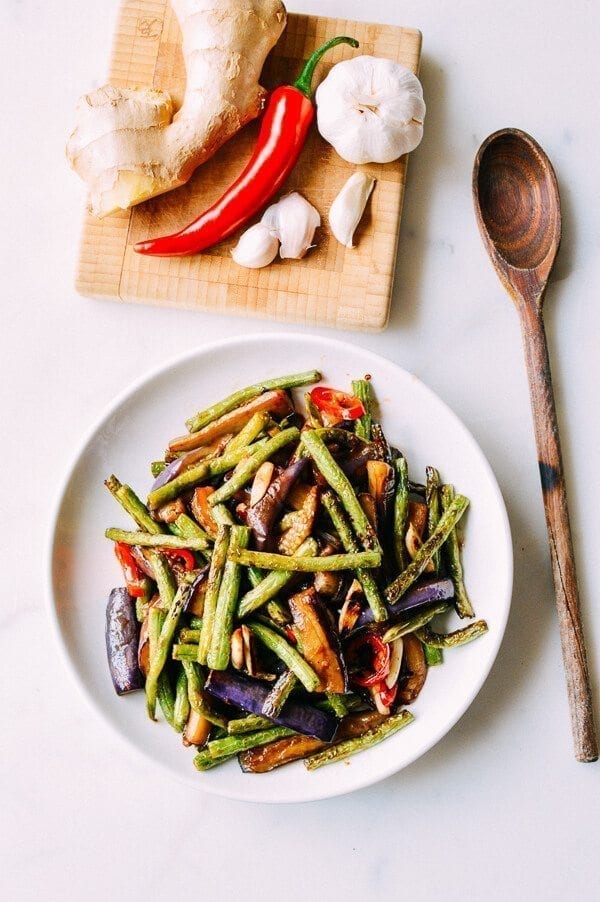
x=283, y=577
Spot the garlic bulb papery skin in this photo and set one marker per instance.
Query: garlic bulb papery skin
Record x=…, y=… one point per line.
x=294, y=221
x=370, y=109
x=256, y=248
x=347, y=209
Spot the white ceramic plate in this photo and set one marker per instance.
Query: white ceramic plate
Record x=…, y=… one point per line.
x=135, y=430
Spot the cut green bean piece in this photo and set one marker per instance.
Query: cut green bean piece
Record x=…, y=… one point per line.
x=213, y=584
x=212, y=413
x=272, y=584
x=340, y=483
x=433, y=656
x=185, y=651
x=157, y=466
x=269, y=561
x=166, y=698
x=314, y=415
x=249, y=724
x=451, y=553
x=432, y=499
x=361, y=388
x=365, y=577
x=448, y=521
x=403, y=627
x=220, y=642
x=337, y=704
x=146, y=540
x=279, y=694
x=288, y=654
x=190, y=634
x=130, y=502
x=159, y=651
x=232, y=745
x=347, y=747
x=401, y=511
x=204, y=761
x=248, y=467
x=196, y=623
x=222, y=516
x=166, y=584
x=454, y=639
x=186, y=528
x=182, y=702
x=253, y=428
x=200, y=702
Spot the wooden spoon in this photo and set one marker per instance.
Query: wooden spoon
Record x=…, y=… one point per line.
x=518, y=213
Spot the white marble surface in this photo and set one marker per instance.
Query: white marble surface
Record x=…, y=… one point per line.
x=499, y=809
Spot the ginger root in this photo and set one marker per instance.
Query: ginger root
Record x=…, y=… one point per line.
x=128, y=146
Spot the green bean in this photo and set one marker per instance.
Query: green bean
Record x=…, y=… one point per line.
x=278, y=612
x=253, y=428
x=146, y=540
x=185, y=651
x=269, y=561
x=220, y=643
x=142, y=601
x=361, y=388
x=212, y=413
x=400, y=511
x=166, y=698
x=202, y=472
x=365, y=577
x=160, y=650
x=337, y=704
x=314, y=416
x=182, y=702
x=166, y=584
x=279, y=694
x=232, y=745
x=186, y=528
x=196, y=623
x=433, y=656
x=454, y=639
x=199, y=700
x=222, y=516
x=248, y=467
x=269, y=587
x=448, y=521
x=190, y=634
x=432, y=499
x=451, y=552
x=347, y=747
x=130, y=502
x=288, y=654
x=157, y=466
x=248, y=724
x=403, y=627
x=340, y=483
x=204, y=761
x=213, y=584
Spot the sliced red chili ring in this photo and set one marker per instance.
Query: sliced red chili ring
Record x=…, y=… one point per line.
x=186, y=557
x=387, y=694
x=337, y=404
x=371, y=655
x=131, y=571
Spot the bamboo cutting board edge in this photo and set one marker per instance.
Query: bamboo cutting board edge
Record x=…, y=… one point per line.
x=332, y=286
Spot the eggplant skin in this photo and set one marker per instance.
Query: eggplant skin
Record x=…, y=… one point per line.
x=122, y=638
x=422, y=594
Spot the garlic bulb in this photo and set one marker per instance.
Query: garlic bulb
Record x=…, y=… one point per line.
x=257, y=247
x=293, y=220
x=370, y=109
x=347, y=209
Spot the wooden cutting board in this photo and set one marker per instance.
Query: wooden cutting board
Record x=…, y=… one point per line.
x=332, y=286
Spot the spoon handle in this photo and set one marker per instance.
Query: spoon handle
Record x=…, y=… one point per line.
x=559, y=532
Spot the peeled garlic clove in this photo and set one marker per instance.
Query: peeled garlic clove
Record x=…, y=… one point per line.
x=257, y=247
x=293, y=220
x=347, y=209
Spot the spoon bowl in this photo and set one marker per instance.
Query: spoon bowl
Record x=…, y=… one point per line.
x=518, y=209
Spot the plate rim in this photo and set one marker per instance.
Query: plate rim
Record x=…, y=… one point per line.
x=100, y=420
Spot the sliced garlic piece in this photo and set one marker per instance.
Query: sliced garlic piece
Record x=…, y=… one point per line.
x=348, y=207
x=294, y=221
x=256, y=248
x=262, y=481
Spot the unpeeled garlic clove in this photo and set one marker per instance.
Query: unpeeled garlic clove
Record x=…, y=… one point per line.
x=348, y=207
x=256, y=248
x=294, y=221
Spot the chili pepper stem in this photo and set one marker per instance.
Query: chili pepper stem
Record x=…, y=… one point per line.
x=304, y=81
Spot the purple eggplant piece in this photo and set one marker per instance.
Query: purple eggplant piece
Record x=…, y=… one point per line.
x=263, y=514
x=420, y=595
x=356, y=461
x=122, y=637
x=250, y=694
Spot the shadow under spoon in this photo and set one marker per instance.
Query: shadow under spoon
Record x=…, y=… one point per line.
x=517, y=207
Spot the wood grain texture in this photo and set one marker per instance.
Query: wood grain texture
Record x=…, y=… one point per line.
x=517, y=206
x=333, y=286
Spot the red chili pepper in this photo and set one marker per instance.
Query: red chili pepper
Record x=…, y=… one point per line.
x=372, y=655
x=132, y=573
x=337, y=404
x=186, y=557
x=286, y=120
x=387, y=695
